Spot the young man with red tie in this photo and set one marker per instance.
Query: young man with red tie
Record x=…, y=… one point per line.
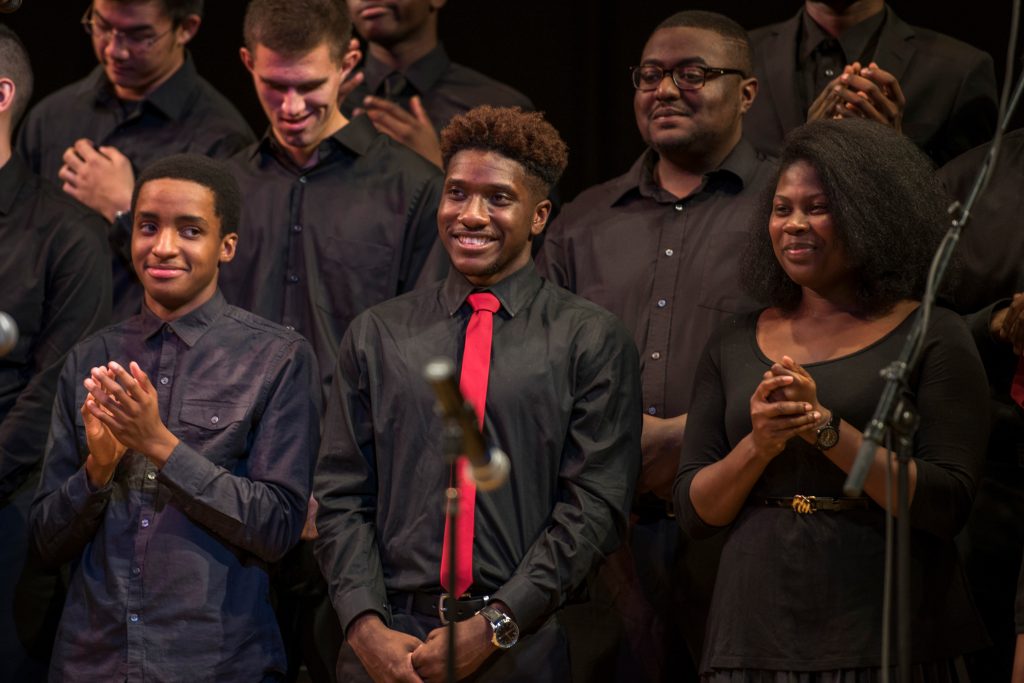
x=555, y=381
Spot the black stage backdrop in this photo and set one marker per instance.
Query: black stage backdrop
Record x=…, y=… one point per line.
x=571, y=57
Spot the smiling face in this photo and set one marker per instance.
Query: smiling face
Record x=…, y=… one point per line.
x=177, y=246
x=299, y=94
x=133, y=66
x=488, y=215
x=804, y=236
x=698, y=123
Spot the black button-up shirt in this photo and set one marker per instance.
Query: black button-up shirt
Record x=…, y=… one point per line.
x=562, y=401
x=668, y=267
x=184, y=114
x=445, y=88
x=169, y=580
x=55, y=277
x=319, y=246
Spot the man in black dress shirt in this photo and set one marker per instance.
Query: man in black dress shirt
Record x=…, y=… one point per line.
x=410, y=88
x=55, y=279
x=142, y=102
x=659, y=246
x=179, y=458
x=561, y=401
x=840, y=58
x=339, y=216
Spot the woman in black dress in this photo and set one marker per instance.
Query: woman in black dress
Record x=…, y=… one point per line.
x=840, y=255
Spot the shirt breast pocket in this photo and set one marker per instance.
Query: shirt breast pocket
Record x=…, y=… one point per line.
x=215, y=429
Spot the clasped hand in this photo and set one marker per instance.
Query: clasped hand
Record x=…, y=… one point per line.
x=868, y=92
x=122, y=412
x=784, y=405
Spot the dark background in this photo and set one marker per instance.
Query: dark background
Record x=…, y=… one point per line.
x=571, y=57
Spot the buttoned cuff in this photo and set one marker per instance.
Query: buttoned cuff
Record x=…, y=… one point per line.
x=186, y=471
x=86, y=500
x=526, y=602
x=357, y=602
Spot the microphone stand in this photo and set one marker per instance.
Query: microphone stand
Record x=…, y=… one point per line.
x=895, y=414
x=451, y=444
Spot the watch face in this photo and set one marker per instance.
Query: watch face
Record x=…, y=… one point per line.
x=506, y=634
x=828, y=437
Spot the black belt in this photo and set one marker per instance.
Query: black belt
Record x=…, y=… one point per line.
x=440, y=605
x=806, y=505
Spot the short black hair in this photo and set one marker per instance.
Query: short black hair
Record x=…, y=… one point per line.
x=210, y=173
x=295, y=27
x=886, y=202
x=15, y=65
x=177, y=10
x=525, y=137
x=723, y=26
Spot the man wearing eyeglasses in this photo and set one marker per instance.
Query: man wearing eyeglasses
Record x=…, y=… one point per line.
x=143, y=101
x=659, y=246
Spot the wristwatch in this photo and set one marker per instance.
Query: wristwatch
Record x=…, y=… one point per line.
x=828, y=433
x=506, y=631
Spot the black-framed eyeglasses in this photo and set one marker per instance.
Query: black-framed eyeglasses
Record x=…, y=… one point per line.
x=685, y=77
x=137, y=40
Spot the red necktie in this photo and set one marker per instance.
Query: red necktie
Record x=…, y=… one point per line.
x=1017, y=388
x=476, y=365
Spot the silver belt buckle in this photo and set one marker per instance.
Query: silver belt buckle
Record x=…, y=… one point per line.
x=441, y=609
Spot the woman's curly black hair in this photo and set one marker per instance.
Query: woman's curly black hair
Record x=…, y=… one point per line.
x=887, y=205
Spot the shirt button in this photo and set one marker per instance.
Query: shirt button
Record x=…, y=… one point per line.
x=679, y=206
x=136, y=571
x=214, y=419
x=134, y=618
x=290, y=328
x=165, y=380
x=669, y=252
x=151, y=475
x=652, y=410
x=656, y=355
x=302, y=179
x=830, y=72
x=145, y=523
x=662, y=303
x=296, y=228
x=293, y=278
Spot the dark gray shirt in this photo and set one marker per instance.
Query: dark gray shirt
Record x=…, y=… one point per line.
x=169, y=578
x=562, y=401
x=321, y=245
x=667, y=267
x=56, y=286
x=444, y=87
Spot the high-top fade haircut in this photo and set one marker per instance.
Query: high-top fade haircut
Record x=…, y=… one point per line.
x=210, y=173
x=295, y=27
x=177, y=10
x=524, y=137
x=15, y=65
x=729, y=30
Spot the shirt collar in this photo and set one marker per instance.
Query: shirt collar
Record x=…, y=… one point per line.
x=173, y=98
x=854, y=40
x=734, y=173
x=423, y=74
x=515, y=292
x=356, y=136
x=13, y=175
x=189, y=328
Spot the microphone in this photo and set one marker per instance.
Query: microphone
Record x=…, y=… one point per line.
x=490, y=465
x=8, y=6
x=8, y=334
